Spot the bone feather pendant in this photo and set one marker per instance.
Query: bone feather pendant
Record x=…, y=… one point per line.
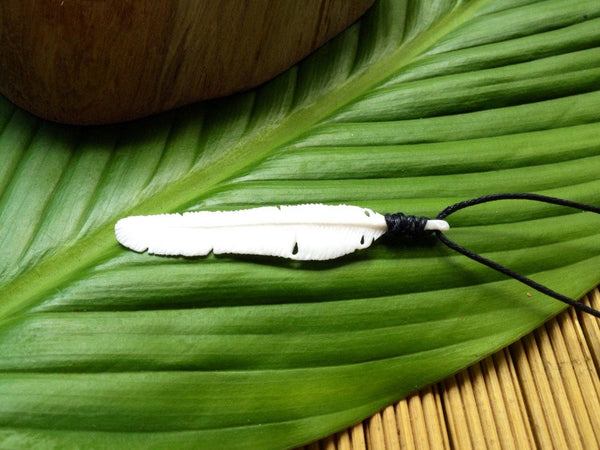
x=302, y=232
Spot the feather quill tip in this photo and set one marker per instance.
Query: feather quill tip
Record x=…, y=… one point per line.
x=437, y=225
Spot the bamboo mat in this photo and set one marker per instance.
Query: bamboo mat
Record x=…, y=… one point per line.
x=541, y=392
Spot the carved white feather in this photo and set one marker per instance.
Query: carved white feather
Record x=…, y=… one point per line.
x=303, y=232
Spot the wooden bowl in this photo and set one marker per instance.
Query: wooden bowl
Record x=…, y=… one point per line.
x=104, y=61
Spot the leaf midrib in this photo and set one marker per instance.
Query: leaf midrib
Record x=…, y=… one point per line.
x=57, y=269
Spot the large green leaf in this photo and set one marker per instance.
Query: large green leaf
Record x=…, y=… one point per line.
x=421, y=104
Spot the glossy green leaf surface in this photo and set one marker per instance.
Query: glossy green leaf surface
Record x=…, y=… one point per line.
x=419, y=105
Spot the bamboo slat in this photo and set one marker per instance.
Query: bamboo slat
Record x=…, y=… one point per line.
x=541, y=392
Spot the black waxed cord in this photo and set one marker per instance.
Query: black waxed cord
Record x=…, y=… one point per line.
x=516, y=196
x=400, y=225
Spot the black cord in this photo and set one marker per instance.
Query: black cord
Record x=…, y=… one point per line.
x=401, y=225
x=411, y=226
x=518, y=196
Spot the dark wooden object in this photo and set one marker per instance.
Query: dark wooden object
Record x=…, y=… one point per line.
x=103, y=61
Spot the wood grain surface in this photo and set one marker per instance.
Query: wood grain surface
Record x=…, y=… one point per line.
x=541, y=392
x=87, y=62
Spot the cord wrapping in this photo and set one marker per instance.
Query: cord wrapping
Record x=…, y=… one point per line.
x=401, y=225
